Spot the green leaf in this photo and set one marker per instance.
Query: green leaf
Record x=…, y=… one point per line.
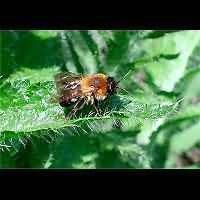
x=26, y=49
x=183, y=141
x=43, y=34
x=191, y=91
x=82, y=51
x=194, y=60
x=156, y=34
x=46, y=74
x=147, y=130
x=139, y=127
x=186, y=139
x=6, y=160
x=27, y=107
x=166, y=73
x=74, y=152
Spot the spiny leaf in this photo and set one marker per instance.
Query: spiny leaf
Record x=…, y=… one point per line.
x=46, y=74
x=26, y=107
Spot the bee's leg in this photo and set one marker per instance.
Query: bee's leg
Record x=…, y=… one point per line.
x=63, y=101
x=96, y=106
x=79, y=105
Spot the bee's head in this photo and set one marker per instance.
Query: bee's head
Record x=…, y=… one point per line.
x=112, y=85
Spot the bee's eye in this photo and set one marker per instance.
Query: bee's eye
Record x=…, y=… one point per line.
x=112, y=85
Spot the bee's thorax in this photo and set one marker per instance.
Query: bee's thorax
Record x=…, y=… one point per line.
x=94, y=84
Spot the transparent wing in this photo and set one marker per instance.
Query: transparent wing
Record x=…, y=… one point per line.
x=64, y=82
x=68, y=87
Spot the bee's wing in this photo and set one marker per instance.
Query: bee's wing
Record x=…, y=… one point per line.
x=66, y=76
x=65, y=81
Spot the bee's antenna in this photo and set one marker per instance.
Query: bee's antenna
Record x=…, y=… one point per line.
x=124, y=77
x=125, y=90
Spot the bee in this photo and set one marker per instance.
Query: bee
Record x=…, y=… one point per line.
x=78, y=90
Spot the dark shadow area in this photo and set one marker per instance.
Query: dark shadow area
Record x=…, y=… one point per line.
x=34, y=52
x=110, y=159
x=7, y=49
x=158, y=152
x=26, y=49
x=160, y=33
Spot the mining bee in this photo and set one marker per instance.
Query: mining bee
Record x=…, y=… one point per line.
x=78, y=90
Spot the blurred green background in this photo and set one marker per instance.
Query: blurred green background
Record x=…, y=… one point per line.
x=156, y=131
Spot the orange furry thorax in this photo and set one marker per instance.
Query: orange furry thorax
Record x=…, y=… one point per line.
x=96, y=83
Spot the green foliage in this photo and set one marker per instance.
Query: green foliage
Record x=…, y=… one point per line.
x=148, y=124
